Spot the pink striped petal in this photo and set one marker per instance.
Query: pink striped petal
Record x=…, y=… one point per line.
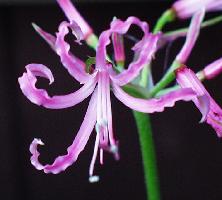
x=73, y=15
x=186, y=78
x=40, y=96
x=155, y=104
x=73, y=151
x=186, y=8
x=192, y=36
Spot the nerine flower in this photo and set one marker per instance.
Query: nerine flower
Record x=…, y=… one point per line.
x=98, y=83
x=186, y=8
x=186, y=78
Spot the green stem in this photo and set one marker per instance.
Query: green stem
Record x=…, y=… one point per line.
x=144, y=128
x=148, y=155
x=183, y=31
x=92, y=41
x=166, y=79
x=166, y=17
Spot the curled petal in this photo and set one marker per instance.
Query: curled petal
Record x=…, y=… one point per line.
x=122, y=27
x=204, y=103
x=155, y=104
x=35, y=154
x=73, y=15
x=76, y=30
x=186, y=78
x=192, y=36
x=40, y=96
x=117, y=27
x=74, y=65
x=73, y=151
x=144, y=49
x=145, y=56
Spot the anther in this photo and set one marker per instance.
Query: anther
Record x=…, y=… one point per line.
x=93, y=179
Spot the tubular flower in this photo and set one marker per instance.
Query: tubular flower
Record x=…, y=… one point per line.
x=186, y=8
x=211, y=111
x=97, y=83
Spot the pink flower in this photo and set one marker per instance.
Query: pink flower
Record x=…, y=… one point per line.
x=210, y=110
x=186, y=8
x=98, y=83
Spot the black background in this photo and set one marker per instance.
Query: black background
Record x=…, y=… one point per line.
x=188, y=153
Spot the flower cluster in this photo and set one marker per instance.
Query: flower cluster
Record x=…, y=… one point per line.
x=105, y=76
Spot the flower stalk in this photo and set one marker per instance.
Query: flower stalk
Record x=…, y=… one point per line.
x=166, y=17
x=148, y=155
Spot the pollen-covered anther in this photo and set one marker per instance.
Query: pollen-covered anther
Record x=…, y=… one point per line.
x=94, y=179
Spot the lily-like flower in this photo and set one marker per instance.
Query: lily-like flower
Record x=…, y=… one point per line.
x=97, y=83
x=186, y=8
x=211, y=111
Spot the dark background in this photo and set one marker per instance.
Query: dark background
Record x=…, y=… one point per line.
x=188, y=153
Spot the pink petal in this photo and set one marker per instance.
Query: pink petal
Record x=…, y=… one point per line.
x=50, y=39
x=186, y=8
x=192, y=36
x=145, y=56
x=204, y=104
x=118, y=46
x=118, y=27
x=73, y=151
x=76, y=30
x=186, y=78
x=40, y=96
x=75, y=66
x=154, y=104
x=73, y=15
x=213, y=69
x=145, y=49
